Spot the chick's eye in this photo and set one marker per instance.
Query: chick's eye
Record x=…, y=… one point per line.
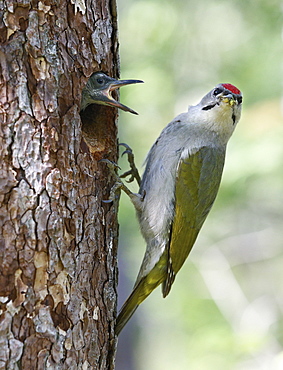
x=99, y=81
x=217, y=91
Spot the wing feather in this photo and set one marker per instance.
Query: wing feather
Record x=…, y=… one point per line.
x=197, y=183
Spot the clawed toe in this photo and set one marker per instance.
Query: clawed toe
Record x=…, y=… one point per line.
x=111, y=165
x=137, y=199
x=133, y=172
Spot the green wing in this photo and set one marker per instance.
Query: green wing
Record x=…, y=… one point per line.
x=197, y=184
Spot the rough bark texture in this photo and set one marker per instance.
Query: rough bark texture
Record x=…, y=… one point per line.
x=58, y=239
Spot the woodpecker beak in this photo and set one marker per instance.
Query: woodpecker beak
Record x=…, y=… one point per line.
x=107, y=99
x=99, y=88
x=229, y=99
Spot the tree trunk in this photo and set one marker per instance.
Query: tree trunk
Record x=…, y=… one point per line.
x=58, y=240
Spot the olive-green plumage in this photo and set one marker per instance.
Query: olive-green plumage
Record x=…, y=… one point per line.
x=197, y=185
x=178, y=188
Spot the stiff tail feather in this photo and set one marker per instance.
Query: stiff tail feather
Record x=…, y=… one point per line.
x=125, y=314
x=130, y=306
x=141, y=291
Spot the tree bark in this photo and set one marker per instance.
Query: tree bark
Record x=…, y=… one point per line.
x=58, y=240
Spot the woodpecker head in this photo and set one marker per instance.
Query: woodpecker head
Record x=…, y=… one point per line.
x=224, y=102
x=98, y=91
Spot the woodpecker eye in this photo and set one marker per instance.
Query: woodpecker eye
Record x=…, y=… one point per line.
x=217, y=91
x=99, y=81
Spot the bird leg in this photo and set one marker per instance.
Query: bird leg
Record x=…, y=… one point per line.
x=136, y=199
x=133, y=172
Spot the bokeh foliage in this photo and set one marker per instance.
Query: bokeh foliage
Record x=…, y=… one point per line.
x=225, y=308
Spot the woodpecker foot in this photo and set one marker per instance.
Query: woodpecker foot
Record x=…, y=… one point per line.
x=133, y=172
x=136, y=199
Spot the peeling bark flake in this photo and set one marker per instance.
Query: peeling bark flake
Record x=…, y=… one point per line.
x=79, y=6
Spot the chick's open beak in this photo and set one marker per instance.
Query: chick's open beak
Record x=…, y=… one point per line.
x=113, y=85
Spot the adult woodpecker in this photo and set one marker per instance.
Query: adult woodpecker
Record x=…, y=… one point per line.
x=98, y=91
x=180, y=183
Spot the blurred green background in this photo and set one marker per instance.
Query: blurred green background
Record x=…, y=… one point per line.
x=225, y=310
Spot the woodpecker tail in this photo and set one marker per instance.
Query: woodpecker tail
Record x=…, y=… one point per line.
x=141, y=291
x=129, y=307
x=126, y=313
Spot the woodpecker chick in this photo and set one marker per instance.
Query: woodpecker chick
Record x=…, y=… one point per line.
x=98, y=91
x=180, y=183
